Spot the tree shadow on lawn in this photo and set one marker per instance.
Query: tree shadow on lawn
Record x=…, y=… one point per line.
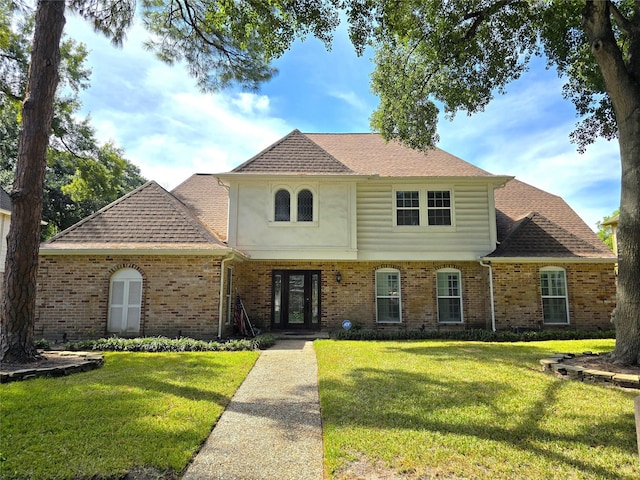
x=397, y=399
x=520, y=355
x=99, y=417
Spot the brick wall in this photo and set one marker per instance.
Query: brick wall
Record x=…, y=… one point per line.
x=180, y=295
x=591, y=290
x=354, y=297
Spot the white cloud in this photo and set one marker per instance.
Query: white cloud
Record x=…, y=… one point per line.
x=166, y=125
x=172, y=130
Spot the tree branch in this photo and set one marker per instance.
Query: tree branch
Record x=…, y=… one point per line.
x=480, y=16
x=620, y=20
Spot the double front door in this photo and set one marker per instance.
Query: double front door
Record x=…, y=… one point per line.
x=296, y=299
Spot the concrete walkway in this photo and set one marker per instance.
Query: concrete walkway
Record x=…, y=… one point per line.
x=272, y=428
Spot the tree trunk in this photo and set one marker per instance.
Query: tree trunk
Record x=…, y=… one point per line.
x=623, y=88
x=23, y=242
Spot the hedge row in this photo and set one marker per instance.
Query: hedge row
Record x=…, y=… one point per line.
x=476, y=335
x=164, y=344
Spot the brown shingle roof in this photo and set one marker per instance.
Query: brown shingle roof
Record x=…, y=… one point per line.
x=537, y=236
x=147, y=217
x=354, y=153
x=294, y=153
x=531, y=222
x=207, y=199
x=369, y=154
x=5, y=200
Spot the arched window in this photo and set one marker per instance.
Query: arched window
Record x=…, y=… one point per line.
x=555, y=302
x=305, y=206
x=449, y=289
x=388, y=299
x=125, y=301
x=282, y=206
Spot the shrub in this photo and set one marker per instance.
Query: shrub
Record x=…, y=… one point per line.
x=473, y=334
x=164, y=344
x=42, y=344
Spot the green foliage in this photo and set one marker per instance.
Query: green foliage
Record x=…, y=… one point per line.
x=445, y=409
x=81, y=176
x=478, y=335
x=164, y=344
x=42, y=344
x=138, y=411
x=226, y=43
x=457, y=54
x=604, y=231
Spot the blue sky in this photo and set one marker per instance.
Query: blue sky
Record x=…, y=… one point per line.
x=171, y=130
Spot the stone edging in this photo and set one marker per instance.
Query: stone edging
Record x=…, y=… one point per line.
x=555, y=365
x=82, y=362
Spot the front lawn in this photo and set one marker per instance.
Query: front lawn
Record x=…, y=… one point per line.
x=140, y=410
x=469, y=410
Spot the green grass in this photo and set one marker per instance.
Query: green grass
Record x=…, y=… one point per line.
x=450, y=409
x=138, y=410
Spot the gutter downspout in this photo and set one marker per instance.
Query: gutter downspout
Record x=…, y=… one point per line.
x=223, y=272
x=493, y=312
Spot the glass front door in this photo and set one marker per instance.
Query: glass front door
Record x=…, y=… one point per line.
x=296, y=299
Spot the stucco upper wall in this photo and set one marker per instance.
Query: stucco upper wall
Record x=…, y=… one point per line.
x=356, y=221
x=331, y=234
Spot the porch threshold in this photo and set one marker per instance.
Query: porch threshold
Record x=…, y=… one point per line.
x=299, y=334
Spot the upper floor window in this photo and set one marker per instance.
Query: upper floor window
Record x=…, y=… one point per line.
x=421, y=206
x=407, y=208
x=448, y=286
x=388, y=299
x=439, y=207
x=555, y=303
x=305, y=206
x=282, y=206
x=293, y=205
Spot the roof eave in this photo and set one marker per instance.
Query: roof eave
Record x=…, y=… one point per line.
x=223, y=251
x=611, y=260
x=496, y=180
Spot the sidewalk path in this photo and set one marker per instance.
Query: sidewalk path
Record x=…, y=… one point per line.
x=272, y=427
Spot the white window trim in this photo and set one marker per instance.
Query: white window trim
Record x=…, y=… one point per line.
x=398, y=296
x=125, y=275
x=438, y=296
x=423, y=206
x=293, y=205
x=565, y=296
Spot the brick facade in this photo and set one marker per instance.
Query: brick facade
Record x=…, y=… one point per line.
x=591, y=289
x=181, y=294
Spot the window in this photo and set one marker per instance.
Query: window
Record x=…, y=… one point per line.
x=407, y=208
x=282, y=206
x=125, y=301
x=388, y=300
x=555, y=304
x=305, y=206
x=449, y=296
x=439, y=207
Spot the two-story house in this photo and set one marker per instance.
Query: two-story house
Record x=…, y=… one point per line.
x=320, y=228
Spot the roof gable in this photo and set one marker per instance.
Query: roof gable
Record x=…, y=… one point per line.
x=370, y=154
x=537, y=236
x=148, y=216
x=207, y=199
x=294, y=153
x=5, y=200
x=546, y=221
